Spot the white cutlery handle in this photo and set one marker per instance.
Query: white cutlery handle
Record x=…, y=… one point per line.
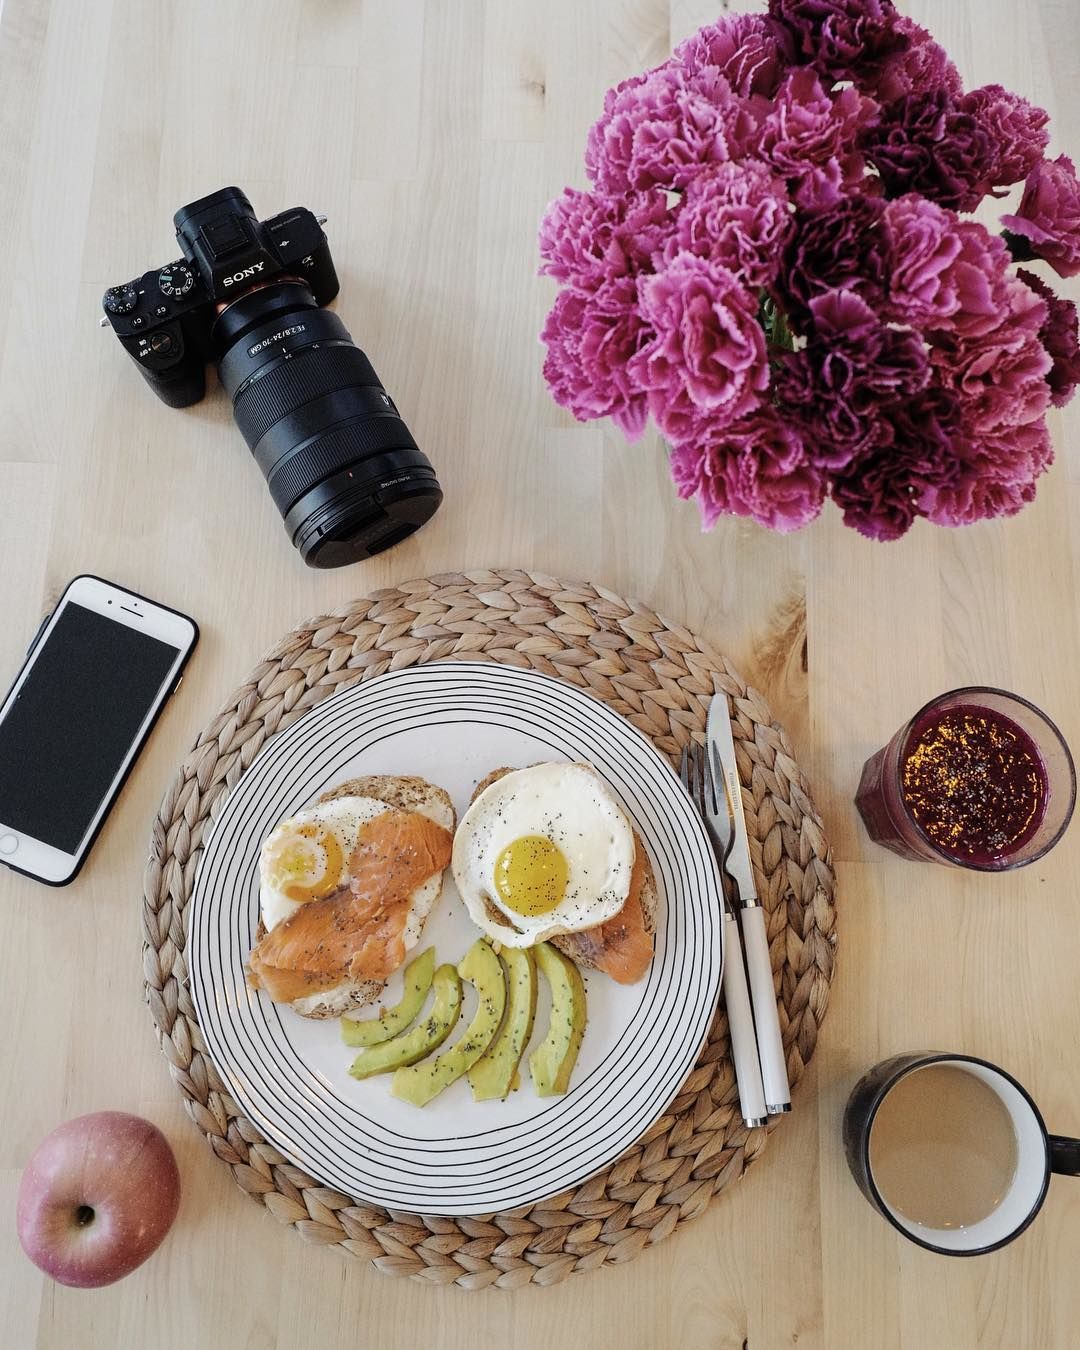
x=767, y=1022
x=744, y=1050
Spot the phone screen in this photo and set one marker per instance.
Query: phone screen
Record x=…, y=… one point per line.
x=68, y=731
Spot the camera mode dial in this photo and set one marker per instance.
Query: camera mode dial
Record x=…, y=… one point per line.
x=120, y=299
x=176, y=279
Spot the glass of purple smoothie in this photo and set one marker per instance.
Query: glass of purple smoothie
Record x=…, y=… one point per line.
x=978, y=778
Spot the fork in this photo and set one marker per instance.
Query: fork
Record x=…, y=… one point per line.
x=697, y=778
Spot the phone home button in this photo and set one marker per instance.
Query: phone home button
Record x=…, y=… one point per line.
x=8, y=844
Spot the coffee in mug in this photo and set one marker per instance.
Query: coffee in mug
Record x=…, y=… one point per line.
x=952, y=1151
x=943, y=1148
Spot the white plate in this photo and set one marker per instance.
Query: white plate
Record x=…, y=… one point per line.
x=451, y=723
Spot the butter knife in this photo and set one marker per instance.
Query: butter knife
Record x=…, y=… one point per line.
x=721, y=746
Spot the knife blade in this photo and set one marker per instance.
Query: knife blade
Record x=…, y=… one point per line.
x=718, y=733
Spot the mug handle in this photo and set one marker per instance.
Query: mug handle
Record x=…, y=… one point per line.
x=1064, y=1155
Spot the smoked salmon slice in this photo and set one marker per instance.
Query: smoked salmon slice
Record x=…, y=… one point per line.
x=623, y=946
x=358, y=932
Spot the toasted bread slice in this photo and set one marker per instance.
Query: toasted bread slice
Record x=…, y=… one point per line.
x=403, y=794
x=572, y=944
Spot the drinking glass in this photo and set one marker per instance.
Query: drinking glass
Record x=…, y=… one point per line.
x=886, y=814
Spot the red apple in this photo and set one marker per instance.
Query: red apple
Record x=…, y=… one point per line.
x=97, y=1198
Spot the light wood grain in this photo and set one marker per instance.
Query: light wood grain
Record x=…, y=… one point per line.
x=433, y=132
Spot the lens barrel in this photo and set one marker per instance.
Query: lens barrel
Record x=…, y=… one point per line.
x=341, y=465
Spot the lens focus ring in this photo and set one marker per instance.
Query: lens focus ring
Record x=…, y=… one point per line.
x=337, y=448
x=288, y=384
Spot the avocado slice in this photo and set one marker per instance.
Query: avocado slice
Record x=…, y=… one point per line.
x=391, y=1021
x=420, y=1083
x=493, y=1073
x=426, y=1036
x=553, y=1060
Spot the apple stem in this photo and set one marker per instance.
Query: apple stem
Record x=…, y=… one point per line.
x=84, y=1215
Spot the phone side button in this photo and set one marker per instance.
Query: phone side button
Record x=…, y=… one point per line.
x=8, y=844
x=34, y=643
x=176, y=686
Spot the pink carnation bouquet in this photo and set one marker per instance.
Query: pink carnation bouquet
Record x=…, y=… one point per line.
x=775, y=263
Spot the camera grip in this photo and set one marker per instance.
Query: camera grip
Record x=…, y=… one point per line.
x=178, y=388
x=320, y=274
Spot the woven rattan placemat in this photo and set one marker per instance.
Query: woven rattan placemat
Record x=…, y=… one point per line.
x=661, y=678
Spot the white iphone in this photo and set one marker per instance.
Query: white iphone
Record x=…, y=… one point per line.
x=97, y=675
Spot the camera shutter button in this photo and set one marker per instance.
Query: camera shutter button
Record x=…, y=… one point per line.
x=162, y=344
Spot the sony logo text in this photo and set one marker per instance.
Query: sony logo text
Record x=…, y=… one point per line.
x=243, y=276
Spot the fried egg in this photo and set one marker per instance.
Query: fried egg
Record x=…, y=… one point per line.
x=543, y=851
x=307, y=856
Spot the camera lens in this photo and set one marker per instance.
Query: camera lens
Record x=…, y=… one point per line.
x=341, y=465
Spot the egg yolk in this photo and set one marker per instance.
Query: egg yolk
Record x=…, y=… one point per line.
x=531, y=875
x=306, y=862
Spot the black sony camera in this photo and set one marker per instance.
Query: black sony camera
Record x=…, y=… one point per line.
x=341, y=466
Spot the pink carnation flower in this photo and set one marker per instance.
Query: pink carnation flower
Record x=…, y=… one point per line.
x=924, y=246
x=923, y=64
x=996, y=476
x=979, y=279
x=1017, y=131
x=1000, y=376
x=591, y=340
x=1000, y=379
x=744, y=48
x=587, y=238
x=1048, y=217
x=810, y=137
x=757, y=467
x=739, y=216
x=706, y=366
x=659, y=132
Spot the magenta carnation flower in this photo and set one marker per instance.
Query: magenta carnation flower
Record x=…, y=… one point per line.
x=810, y=137
x=660, y=131
x=881, y=493
x=996, y=476
x=945, y=273
x=923, y=64
x=757, y=467
x=839, y=247
x=1016, y=128
x=924, y=245
x=744, y=48
x=1048, y=217
x=591, y=340
x=929, y=143
x=1060, y=335
x=587, y=238
x=706, y=364
x=1000, y=376
x=739, y=216
x=842, y=39
x=979, y=279
x=851, y=370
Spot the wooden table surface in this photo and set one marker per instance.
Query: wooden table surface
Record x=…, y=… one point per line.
x=433, y=132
